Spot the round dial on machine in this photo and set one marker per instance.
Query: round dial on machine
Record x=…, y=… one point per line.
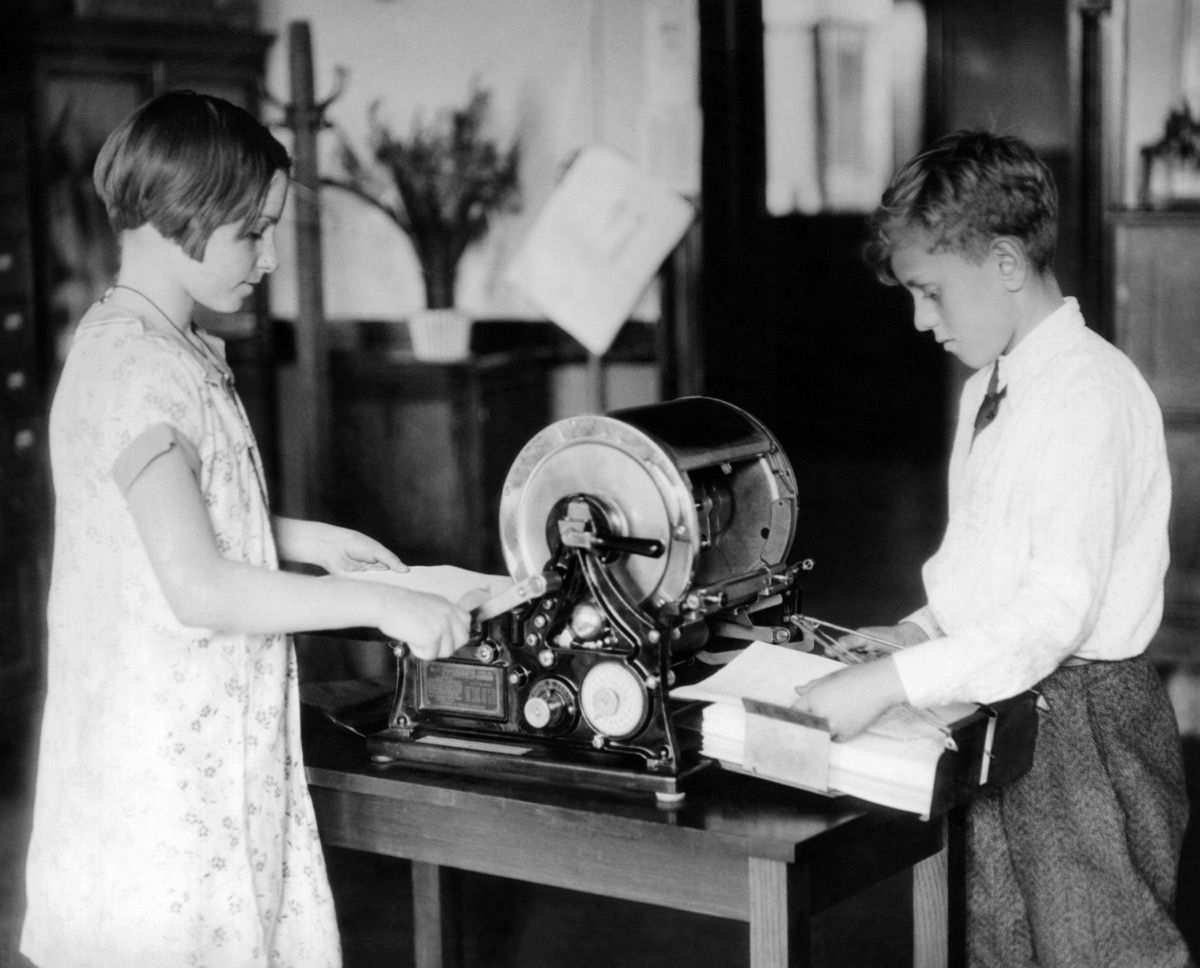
x=613, y=700
x=550, y=705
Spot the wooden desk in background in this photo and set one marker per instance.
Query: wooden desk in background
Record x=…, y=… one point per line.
x=737, y=848
x=420, y=451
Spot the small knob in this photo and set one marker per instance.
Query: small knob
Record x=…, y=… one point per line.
x=544, y=711
x=550, y=705
x=587, y=621
x=606, y=702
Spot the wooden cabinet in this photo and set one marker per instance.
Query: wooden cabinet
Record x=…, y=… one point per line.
x=1156, y=320
x=24, y=495
x=84, y=77
x=420, y=450
x=64, y=85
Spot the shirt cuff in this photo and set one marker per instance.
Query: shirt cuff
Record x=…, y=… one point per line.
x=925, y=618
x=925, y=672
x=147, y=447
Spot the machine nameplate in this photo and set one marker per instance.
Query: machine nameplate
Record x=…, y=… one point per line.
x=467, y=689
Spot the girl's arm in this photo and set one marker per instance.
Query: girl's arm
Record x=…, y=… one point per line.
x=331, y=547
x=207, y=590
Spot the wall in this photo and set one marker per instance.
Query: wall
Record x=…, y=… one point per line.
x=563, y=73
x=1154, y=80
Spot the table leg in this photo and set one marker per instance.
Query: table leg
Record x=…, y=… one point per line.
x=931, y=906
x=433, y=918
x=779, y=910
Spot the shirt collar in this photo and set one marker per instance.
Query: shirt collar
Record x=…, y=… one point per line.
x=1044, y=341
x=216, y=368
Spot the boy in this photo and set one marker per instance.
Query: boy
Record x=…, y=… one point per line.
x=1049, y=574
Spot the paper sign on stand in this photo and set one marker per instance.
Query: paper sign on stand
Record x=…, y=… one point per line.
x=597, y=244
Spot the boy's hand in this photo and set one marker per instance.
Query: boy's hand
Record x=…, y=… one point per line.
x=431, y=626
x=852, y=698
x=900, y=636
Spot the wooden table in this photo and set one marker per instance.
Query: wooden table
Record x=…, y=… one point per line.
x=737, y=848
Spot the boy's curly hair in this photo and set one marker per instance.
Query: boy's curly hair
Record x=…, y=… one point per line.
x=962, y=192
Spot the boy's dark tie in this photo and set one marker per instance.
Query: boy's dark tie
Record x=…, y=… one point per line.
x=991, y=401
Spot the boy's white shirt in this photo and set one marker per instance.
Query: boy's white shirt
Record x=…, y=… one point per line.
x=1056, y=542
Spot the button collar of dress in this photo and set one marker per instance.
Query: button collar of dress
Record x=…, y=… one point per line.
x=207, y=350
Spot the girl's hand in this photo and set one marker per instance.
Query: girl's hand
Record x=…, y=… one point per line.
x=331, y=547
x=431, y=626
x=852, y=698
x=901, y=636
x=353, y=551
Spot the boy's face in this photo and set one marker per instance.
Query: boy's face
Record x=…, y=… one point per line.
x=963, y=303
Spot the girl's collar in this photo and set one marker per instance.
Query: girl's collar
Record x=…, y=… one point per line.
x=208, y=350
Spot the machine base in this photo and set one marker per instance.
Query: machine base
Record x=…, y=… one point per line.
x=527, y=763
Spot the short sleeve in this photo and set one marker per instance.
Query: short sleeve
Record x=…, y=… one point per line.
x=147, y=447
x=127, y=398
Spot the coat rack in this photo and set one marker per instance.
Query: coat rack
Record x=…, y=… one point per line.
x=305, y=117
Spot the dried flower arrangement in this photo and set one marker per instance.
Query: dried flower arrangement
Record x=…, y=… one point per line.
x=441, y=185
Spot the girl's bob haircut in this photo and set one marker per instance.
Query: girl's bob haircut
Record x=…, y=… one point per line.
x=187, y=163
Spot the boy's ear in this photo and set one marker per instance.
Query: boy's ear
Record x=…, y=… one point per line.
x=1011, y=262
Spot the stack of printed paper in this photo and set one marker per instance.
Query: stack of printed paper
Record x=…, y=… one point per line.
x=751, y=726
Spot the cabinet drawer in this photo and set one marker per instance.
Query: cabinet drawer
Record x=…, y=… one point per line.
x=13, y=142
x=18, y=389
x=21, y=614
x=21, y=446
x=16, y=336
x=14, y=205
x=14, y=265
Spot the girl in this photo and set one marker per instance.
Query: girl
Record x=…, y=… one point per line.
x=172, y=824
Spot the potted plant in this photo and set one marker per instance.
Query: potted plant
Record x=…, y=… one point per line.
x=441, y=185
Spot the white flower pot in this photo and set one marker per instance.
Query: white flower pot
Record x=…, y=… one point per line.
x=440, y=335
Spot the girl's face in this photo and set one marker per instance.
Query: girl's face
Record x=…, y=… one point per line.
x=235, y=261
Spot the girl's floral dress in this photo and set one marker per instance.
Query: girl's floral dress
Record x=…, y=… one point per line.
x=172, y=823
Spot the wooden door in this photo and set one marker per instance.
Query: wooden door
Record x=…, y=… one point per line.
x=1156, y=299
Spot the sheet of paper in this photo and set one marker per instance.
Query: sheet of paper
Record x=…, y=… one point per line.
x=782, y=749
x=770, y=673
x=596, y=245
x=449, y=581
x=761, y=671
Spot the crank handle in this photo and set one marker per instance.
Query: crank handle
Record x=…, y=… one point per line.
x=590, y=541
